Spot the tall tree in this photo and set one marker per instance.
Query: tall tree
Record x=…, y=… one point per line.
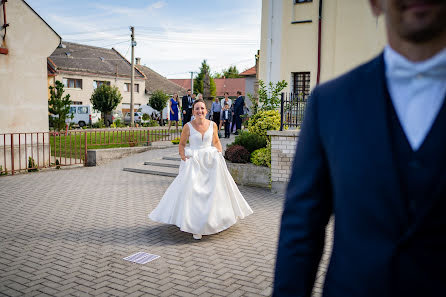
x=204, y=79
x=158, y=100
x=105, y=99
x=58, y=106
x=231, y=72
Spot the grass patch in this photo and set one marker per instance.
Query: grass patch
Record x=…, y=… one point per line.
x=73, y=145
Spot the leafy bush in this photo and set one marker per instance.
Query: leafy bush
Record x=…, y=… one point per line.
x=98, y=124
x=32, y=165
x=1, y=171
x=250, y=141
x=151, y=123
x=237, y=154
x=146, y=117
x=269, y=99
x=118, y=123
x=263, y=121
x=262, y=157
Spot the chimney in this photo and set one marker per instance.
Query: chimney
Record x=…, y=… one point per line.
x=138, y=61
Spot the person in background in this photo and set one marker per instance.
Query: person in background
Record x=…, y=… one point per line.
x=186, y=105
x=238, y=111
x=223, y=101
x=226, y=118
x=215, y=111
x=173, y=108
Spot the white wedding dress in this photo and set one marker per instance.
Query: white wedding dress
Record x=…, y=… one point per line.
x=203, y=199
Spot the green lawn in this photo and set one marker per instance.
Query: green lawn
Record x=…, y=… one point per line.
x=73, y=145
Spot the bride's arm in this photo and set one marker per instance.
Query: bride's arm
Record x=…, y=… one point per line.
x=215, y=140
x=183, y=141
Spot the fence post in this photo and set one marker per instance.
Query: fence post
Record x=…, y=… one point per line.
x=281, y=111
x=85, y=150
x=12, y=154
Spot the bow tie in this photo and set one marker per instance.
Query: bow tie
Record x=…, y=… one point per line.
x=398, y=67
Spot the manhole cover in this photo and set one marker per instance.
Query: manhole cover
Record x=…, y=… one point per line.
x=141, y=258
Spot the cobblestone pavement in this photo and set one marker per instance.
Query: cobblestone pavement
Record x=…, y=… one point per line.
x=65, y=232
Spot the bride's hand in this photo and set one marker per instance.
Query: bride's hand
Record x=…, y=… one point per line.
x=184, y=158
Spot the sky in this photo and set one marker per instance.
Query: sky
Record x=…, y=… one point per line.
x=173, y=36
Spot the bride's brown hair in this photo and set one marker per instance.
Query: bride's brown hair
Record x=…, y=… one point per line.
x=196, y=101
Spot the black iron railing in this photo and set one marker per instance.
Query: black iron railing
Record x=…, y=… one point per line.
x=292, y=109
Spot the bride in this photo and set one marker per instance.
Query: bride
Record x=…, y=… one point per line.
x=203, y=199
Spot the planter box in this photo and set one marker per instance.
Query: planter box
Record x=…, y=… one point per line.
x=249, y=174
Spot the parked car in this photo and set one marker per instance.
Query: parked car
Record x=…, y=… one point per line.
x=137, y=117
x=83, y=115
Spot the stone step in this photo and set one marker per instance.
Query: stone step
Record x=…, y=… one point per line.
x=163, y=164
x=171, y=158
x=152, y=172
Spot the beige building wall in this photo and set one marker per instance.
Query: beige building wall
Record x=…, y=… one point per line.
x=83, y=95
x=351, y=35
x=23, y=71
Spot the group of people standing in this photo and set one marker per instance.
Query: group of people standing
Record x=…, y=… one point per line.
x=225, y=113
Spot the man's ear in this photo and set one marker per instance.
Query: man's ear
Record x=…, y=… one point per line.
x=376, y=6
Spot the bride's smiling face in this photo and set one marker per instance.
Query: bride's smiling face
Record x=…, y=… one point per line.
x=200, y=110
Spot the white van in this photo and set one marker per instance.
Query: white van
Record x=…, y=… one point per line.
x=83, y=115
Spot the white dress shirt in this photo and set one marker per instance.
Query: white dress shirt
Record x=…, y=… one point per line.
x=418, y=90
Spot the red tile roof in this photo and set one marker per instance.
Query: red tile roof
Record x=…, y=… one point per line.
x=249, y=72
x=230, y=85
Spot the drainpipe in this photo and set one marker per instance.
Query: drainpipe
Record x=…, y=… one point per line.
x=3, y=50
x=319, y=44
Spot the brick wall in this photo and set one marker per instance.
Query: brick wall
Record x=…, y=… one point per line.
x=283, y=146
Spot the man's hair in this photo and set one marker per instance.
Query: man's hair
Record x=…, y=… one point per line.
x=239, y=93
x=226, y=93
x=188, y=90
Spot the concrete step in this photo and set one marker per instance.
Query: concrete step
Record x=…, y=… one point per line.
x=154, y=170
x=171, y=158
x=163, y=163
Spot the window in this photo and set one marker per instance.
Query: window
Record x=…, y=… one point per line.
x=98, y=83
x=72, y=83
x=301, y=84
x=82, y=110
x=302, y=1
x=135, y=89
x=72, y=109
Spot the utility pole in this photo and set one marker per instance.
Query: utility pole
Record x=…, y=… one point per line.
x=132, y=113
x=192, y=82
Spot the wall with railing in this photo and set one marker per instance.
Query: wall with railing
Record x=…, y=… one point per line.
x=292, y=109
x=25, y=152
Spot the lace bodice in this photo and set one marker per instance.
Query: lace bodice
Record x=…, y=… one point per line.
x=198, y=140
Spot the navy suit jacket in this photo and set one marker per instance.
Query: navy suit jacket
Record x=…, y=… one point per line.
x=238, y=105
x=344, y=167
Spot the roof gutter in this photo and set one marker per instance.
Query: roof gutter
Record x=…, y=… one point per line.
x=319, y=44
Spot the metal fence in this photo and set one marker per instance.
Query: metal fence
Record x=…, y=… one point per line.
x=292, y=109
x=26, y=152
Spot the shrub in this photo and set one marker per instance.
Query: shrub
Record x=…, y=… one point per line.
x=263, y=121
x=250, y=141
x=32, y=165
x=98, y=124
x=237, y=154
x=262, y=157
x=1, y=171
x=118, y=123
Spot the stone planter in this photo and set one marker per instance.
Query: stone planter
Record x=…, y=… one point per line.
x=249, y=174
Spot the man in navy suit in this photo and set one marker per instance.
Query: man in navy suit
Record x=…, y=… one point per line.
x=186, y=106
x=372, y=152
x=238, y=111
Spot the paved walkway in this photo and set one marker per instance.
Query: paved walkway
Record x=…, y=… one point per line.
x=65, y=232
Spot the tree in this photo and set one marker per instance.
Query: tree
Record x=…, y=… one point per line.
x=58, y=106
x=105, y=99
x=204, y=80
x=231, y=72
x=158, y=100
x=269, y=99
